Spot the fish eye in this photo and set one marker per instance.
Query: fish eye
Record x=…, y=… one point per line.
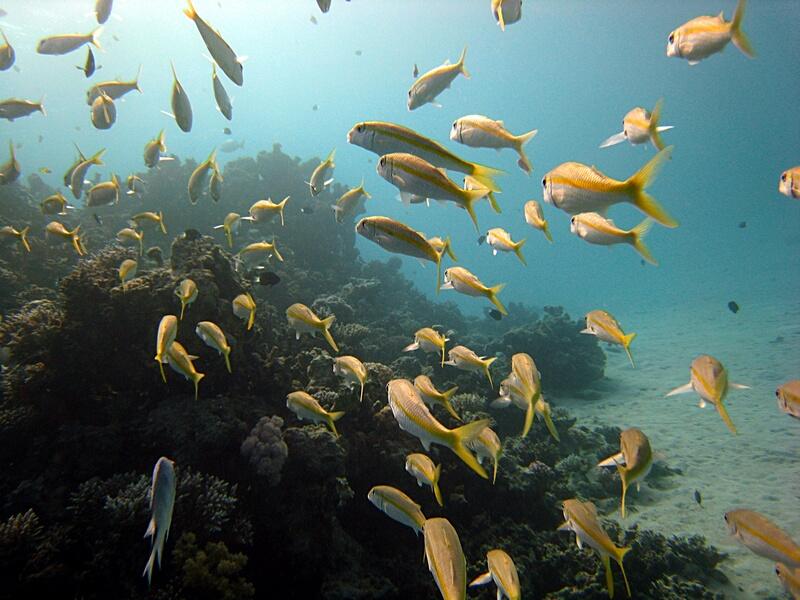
x=382, y=161
x=360, y=128
x=725, y=516
x=777, y=570
x=409, y=93
x=455, y=124
x=783, y=177
x=544, y=181
x=671, y=38
x=778, y=393
x=572, y=220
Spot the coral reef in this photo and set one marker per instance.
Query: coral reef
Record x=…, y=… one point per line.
x=265, y=449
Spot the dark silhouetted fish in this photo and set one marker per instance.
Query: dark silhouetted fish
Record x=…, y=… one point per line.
x=494, y=314
x=191, y=234
x=89, y=67
x=154, y=253
x=307, y=210
x=742, y=224
x=227, y=131
x=97, y=219
x=698, y=498
x=481, y=239
x=268, y=278
x=733, y=307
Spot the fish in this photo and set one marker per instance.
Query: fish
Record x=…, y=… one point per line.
x=244, y=307
x=481, y=239
x=698, y=498
x=384, y=138
x=465, y=282
x=500, y=241
x=789, y=578
x=103, y=113
x=105, y=192
x=414, y=418
x=596, y=229
x=167, y=331
x=226, y=131
x=215, y=183
x=231, y=145
x=445, y=559
x=398, y=238
x=162, y=501
x=415, y=72
x=77, y=177
x=182, y=362
x=259, y=248
x=576, y=188
x=742, y=224
x=55, y=204
x=487, y=446
x=154, y=149
x=315, y=108
x=506, y=12
x=214, y=337
x=307, y=210
x=422, y=469
x=14, y=108
x=528, y=381
x=358, y=52
x=443, y=245
x=7, y=54
x=303, y=320
x=68, y=174
x=305, y=406
x=351, y=369
x=428, y=339
x=198, y=177
x=230, y=225
x=63, y=44
x=763, y=537
x=431, y=396
x=318, y=182
x=350, y=202
x=418, y=180
x=97, y=219
x=535, y=218
x=154, y=254
x=605, y=327
x=581, y=518
x=397, y=506
x=114, y=89
x=788, y=395
x=102, y=10
x=324, y=5
x=478, y=131
x=709, y=379
x=45, y=170
x=428, y=86
x=789, y=184
x=58, y=229
x=701, y=37
x=313, y=19
x=186, y=293
x=7, y=231
x=128, y=236
x=269, y=278
x=263, y=211
x=633, y=461
x=181, y=106
x=465, y=359
x=503, y=572
x=639, y=126
x=191, y=234
x=224, y=104
x=493, y=313
x=152, y=217
x=127, y=270
x=733, y=307
x=219, y=49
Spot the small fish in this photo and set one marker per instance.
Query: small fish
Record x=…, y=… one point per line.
x=77, y=174
x=487, y=446
x=313, y=19
x=150, y=217
x=102, y=10
x=258, y=248
x=481, y=240
x=790, y=578
x=500, y=241
x=319, y=178
x=465, y=359
x=153, y=150
x=7, y=54
x=127, y=270
x=594, y=228
x=605, y=327
x=14, y=108
x=742, y=224
x=703, y=36
x=762, y=537
x=535, y=218
x=130, y=237
x=428, y=339
x=55, y=205
x=502, y=571
x=187, y=294
x=214, y=337
x=633, y=461
x=305, y=406
x=244, y=307
x=162, y=501
x=358, y=52
x=198, y=177
x=182, y=362
x=114, y=89
x=303, y=320
x=788, y=396
x=506, y=12
x=191, y=235
x=324, y=5
x=45, y=170
x=224, y=104
x=40, y=139
x=733, y=307
x=181, y=107
x=154, y=254
x=428, y=86
x=215, y=183
x=230, y=225
x=268, y=279
x=103, y=112
x=263, y=211
x=103, y=193
x=639, y=126
x=465, y=282
x=63, y=44
x=351, y=369
x=307, y=210
x=431, y=396
x=231, y=145
x=698, y=498
x=415, y=72
x=350, y=202
x=477, y=131
x=167, y=330
x=97, y=219
x=421, y=468
x=227, y=131
x=219, y=49
x=789, y=184
x=135, y=185
x=397, y=506
x=495, y=314
x=7, y=231
x=315, y=108
x=58, y=229
x=445, y=559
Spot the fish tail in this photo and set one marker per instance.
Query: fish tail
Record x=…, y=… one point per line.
x=189, y=11
x=548, y=421
x=529, y=413
x=637, y=235
x=518, y=252
x=331, y=156
x=626, y=343
x=332, y=418
x=23, y=238
x=487, y=363
x=469, y=197
x=183, y=307
x=546, y=230
x=275, y=251
x=641, y=180
x=161, y=368
x=493, y=291
x=141, y=244
x=739, y=37
x=458, y=440
x=95, y=39
x=148, y=568
x=521, y=141
x=655, y=116
x=251, y=319
x=448, y=248
x=436, y=491
x=40, y=107
x=493, y=201
x=161, y=222
x=361, y=394
x=723, y=412
x=97, y=156
x=229, y=236
x=485, y=175
x=281, y=206
x=496, y=461
x=196, y=379
x=227, y=356
x=619, y=555
x=609, y=576
x=326, y=325
x=439, y=270
x=443, y=354
x=460, y=63
x=446, y=401
x=136, y=80
x=500, y=18
x=624, y=479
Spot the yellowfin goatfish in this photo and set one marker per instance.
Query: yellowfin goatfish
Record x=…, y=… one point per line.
x=418, y=180
x=640, y=126
x=790, y=578
x=77, y=176
x=167, y=330
x=789, y=398
x=487, y=446
x=703, y=36
x=73, y=166
x=224, y=104
x=181, y=107
x=154, y=149
x=442, y=246
x=397, y=506
x=150, y=217
x=470, y=183
x=11, y=170
x=182, y=362
x=162, y=500
x=303, y=320
x=7, y=231
x=465, y=359
x=710, y=380
x=198, y=177
x=503, y=572
x=103, y=193
x=215, y=183
x=230, y=225
x=131, y=237
x=603, y=325
x=789, y=184
x=581, y=518
x=429, y=85
x=398, y=238
x=465, y=282
x=500, y=241
x=127, y=270
x=135, y=185
x=577, y=188
x=421, y=468
x=186, y=293
x=762, y=537
x=445, y=559
x=477, y=131
x=244, y=307
x=263, y=211
x=506, y=12
x=633, y=461
x=535, y=218
x=259, y=248
x=387, y=138
x=597, y=229
x=219, y=49
x=528, y=381
x=13, y=108
x=414, y=417
x=7, y=54
x=431, y=396
x=319, y=177
x=305, y=406
x=351, y=369
x=114, y=89
x=214, y=337
x=350, y=202
x=58, y=229
x=63, y=44
x=428, y=339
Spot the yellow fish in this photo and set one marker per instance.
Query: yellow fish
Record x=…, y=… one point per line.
x=113, y=89
x=263, y=211
x=429, y=85
x=154, y=149
x=478, y=131
x=790, y=578
x=500, y=241
x=421, y=468
x=351, y=369
x=596, y=229
x=103, y=112
x=303, y=320
x=244, y=307
x=445, y=559
x=633, y=461
x=789, y=185
x=152, y=217
x=103, y=193
x=14, y=108
x=431, y=396
x=528, y=380
x=762, y=537
x=428, y=339
x=397, y=506
x=487, y=445
x=128, y=236
x=442, y=246
x=135, y=185
x=639, y=126
x=305, y=406
x=215, y=183
x=230, y=225
x=58, y=229
x=461, y=280
x=77, y=175
x=219, y=49
x=186, y=293
x=62, y=44
x=7, y=231
x=181, y=107
x=471, y=183
x=788, y=396
x=506, y=12
x=11, y=170
x=181, y=362
x=465, y=359
x=703, y=36
x=606, y=328
x=350, y=202
x=7, y=54
x=318, y=181
x=198, y=177
x=535, y=218
x=214, y=337
x=167, y=330
x=258, y=248
x=55, y=205
x=503, y=572
x=127, y=270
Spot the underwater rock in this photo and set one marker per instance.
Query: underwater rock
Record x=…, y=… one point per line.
x=265, y=449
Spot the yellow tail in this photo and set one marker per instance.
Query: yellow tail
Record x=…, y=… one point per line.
x=466, y=433
x=161, y=368
x=529, y=413
x=161, y=223
x=251, y=319
x=282, y=205
x=626, y=343
x=446, y=402
x=641, y=180
x=546, y=230
x=439, y=269
x=332, y=418
x=23, y=238
x=469, y=197
x=624, y=480
x=500, y=19
x=518, y=252
x=436, y=491
x=275, y=251
x=486, y=364
x=637, y=238
x=460, y=63
x=620, y=554
x=229, y=236
x=548, y=421
x=521, y=142
x=485, y=176
x=227, y=356
x=326, y=324
x=492, y=295
x=723, y=412
x=197, y=377
x=655, y=135
x=183, y=307
x=189, y=11
x=738, y=37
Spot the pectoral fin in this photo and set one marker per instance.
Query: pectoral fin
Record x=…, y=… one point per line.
x=481, y=579
x=615, y=139
x=612, y=461
x=683, y=389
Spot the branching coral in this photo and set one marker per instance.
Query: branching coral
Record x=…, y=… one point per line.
x=265, y=449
